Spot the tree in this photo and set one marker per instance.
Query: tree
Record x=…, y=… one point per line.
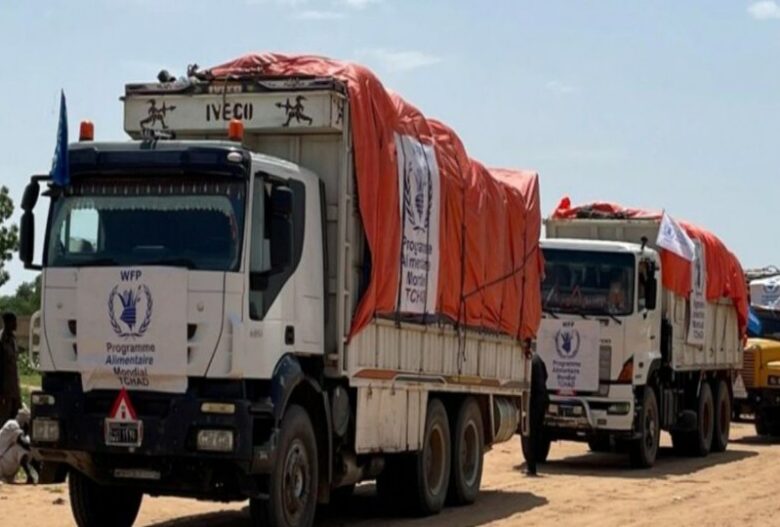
x=26, y=301
x=9, y=234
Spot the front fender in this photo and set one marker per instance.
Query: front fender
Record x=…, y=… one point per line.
x=645, y=365
x=288, y=377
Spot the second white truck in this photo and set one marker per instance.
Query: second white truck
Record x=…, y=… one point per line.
x=627, y=356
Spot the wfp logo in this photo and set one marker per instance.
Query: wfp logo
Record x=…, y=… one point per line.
x=567, y=343
x=771, y=287
x=418, y=197
x=127, y=302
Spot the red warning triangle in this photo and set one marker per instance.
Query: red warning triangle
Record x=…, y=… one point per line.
x=123, y=409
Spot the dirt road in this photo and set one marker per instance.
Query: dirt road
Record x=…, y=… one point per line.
x=738, y=487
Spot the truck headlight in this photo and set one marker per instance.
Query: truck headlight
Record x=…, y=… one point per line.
x=774, y=380
x=45, y=430
x=218, y=408
x=215, y=440
x=618, y=408
x=42, y=399
x=552, y=409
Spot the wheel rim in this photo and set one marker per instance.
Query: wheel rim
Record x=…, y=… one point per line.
x=469, y=454
x=296, y=485
x=434, y=459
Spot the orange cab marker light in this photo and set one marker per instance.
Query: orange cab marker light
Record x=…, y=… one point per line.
x=86, y=131
x=236, y=130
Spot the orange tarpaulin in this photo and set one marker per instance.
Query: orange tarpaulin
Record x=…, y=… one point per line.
x=725, y=278
x=487, y=259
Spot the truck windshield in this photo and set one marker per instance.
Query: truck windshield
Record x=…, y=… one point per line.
x=588, y=282
x=770, y=323
x=193, y=223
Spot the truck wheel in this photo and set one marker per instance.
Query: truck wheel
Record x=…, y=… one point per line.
x=292, y=486
x=644, y=451
x=467, y=454
x=706, y=421
x=720, y=435
x=431, y=466
x=95, y=505
x=544, y=448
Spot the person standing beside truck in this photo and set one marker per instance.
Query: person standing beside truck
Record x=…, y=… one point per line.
x=538, y=408
x=10, y=394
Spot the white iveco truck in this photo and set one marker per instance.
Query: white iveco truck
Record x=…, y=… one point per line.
x=194, y=333
x=623, y=360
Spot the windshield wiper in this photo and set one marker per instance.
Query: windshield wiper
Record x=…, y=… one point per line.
x=616, y=319
x=550, y=312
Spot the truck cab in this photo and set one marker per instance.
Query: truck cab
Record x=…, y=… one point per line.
x=160, y=260
x=632, y=342
x=611, y=287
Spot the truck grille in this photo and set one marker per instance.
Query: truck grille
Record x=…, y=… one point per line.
x=605, y=368
x=605, y=361
x=749, y=368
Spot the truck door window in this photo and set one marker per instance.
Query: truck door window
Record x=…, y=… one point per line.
x=265, y=281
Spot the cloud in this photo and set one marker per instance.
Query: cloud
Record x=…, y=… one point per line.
x=400, y=60
x=360, y=4
x=560, y=87
x=313, y=14
x=764, y=10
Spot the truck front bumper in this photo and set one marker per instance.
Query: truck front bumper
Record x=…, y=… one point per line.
x=584, y=417
x=168, y=460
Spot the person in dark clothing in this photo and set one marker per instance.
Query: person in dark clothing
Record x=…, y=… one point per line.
x=10, y=393
x=538, y=409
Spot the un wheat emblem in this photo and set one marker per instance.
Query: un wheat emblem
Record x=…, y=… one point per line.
x=417, y=203
x=129, y=299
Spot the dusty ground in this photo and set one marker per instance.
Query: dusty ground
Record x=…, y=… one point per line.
x=738, y=487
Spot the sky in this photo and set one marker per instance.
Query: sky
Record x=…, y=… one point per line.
x=658, y=104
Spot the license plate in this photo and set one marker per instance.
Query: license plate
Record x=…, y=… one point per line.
x=124, y=433
x=136, y=473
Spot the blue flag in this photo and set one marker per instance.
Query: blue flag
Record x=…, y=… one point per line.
x=60, y=166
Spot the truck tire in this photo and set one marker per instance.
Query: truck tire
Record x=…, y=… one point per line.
x=700, y=445
x=644, y=451
x=467, y=454
x=95, y=505
x=430, y=469
x=722, y=413
x=544, y=451
x=292, y=486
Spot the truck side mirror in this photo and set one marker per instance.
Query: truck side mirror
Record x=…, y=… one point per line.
x=27, y=226
x=281, y=205
x=27, y=239
x=30, y=197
